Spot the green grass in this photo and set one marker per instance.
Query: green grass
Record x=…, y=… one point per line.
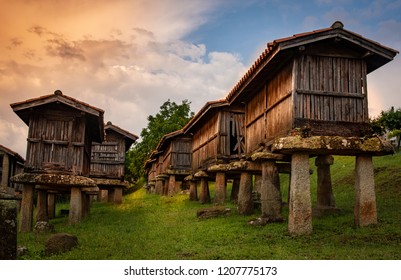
x=148, y=227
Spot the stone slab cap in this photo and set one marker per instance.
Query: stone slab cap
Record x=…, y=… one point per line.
x=265, y=155
x=110, y=182
x=177, y=172
x=236, y=166
x=90, y=190
x=333, y=145
x=161, y=177
x=201, y=174
x=190, y=178
x=53, y=179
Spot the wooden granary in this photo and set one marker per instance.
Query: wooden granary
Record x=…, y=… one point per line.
x=306, y=95
x=60, y=136
x=108, y=161
x=170, y=163
x=11, y=163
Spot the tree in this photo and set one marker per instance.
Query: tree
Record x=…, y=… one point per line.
x=389, y=122
x=171, y=117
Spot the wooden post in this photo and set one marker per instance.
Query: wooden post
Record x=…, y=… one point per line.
x=245, y=202
x=365, y=212
x=51, y=205
x=235, y=190
x=41, y=206
x=300, y=208
x=325, y=197
x=220, y=189
x=75, y=215
x=270, y=192
x=26, y=212
x=204, y=196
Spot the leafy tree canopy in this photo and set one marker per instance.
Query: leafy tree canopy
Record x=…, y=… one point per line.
x=389, y=122
x=171, y=117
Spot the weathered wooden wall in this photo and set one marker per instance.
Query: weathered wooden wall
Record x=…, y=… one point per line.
x=177, y=156
x=56, y=143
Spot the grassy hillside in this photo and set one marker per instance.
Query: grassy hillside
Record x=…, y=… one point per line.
x=153, y=227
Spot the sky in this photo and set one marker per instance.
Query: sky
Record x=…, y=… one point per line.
x=128, y=57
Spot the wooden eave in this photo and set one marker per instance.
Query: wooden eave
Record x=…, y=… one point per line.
x=204, y=112
x=129, y=137
x=12, y=153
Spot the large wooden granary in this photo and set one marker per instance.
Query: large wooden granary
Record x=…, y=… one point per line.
x=108, y=161
x=306, y=95
x=60, y=136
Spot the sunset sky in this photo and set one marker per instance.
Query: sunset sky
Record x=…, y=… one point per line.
x=129, y=56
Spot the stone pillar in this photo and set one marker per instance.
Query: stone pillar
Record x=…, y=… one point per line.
x=110, y=197
x=220, y=189
x=41, y=206
x=300, y=208
x=51, y=205
x=270, y=192
x=235, y=190
x=103, y=195
x=258, y=183
x=171, y=185
x=245, y=202
x=325, y=197
x=85, y=204
x=75, y=215
x=365, y=198
x=118, y=195
x=159, y=186
x=26, y=212
x=193, y=190
x=8, y=227
x=204, y=196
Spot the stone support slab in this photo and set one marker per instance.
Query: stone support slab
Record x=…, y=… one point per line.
x=300, y=208
x=159, y=186
x=75, y=215
x=365, y=212
x=193, y=190
x=270, y=192
x=220, y=188
x=118, y=195
x=26, y=212
x=245, y=202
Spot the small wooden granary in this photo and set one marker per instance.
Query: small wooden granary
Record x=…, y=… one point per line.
x=108, y=161
x=11, y=163
x=60, y=136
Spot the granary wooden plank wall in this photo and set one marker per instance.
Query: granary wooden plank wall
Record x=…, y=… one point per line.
x=11, y=163
x=108, y=157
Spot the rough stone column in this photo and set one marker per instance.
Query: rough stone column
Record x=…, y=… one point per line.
x=204, y=196
x=365, y=198
x=118, y=195
x=51, y=205
x=171, y=185
x=235, y=190
x=41, y=206
x=258, y=183
x=300, y=208
x=75, y=215
x=85, y=204
x=8, y=227
x=325, y=197
x=159, y=186
x=110, y=197
x=26, y=212
x=245, y=202
x=193, y=190
x=270, y=192
x=103, y=195
x=220, y=189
